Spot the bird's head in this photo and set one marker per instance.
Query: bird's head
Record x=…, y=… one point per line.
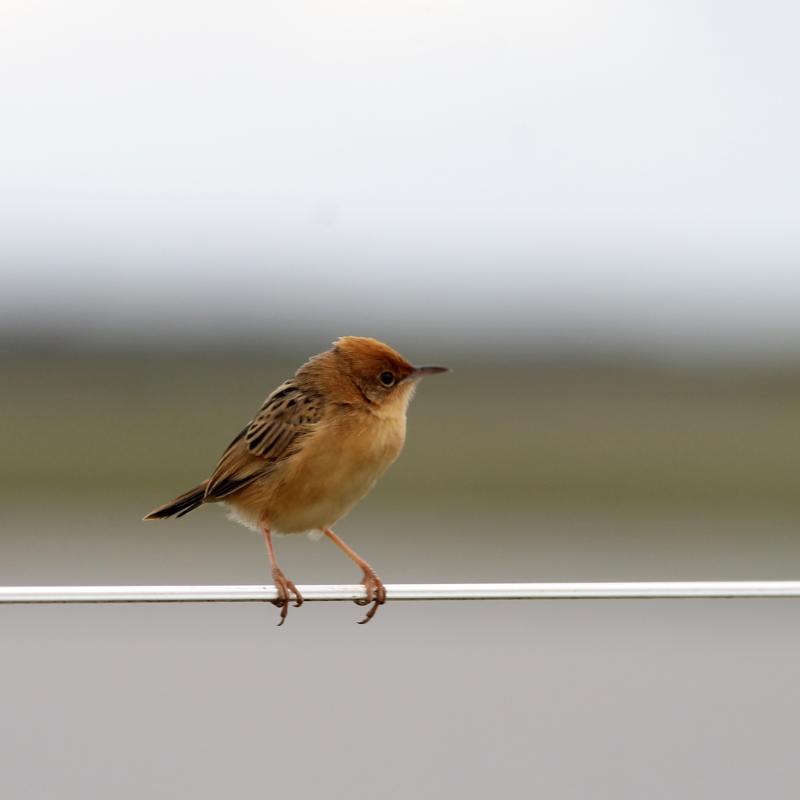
x=381, y=376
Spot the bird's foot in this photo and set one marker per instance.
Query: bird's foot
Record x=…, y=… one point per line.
x=285, y=588
x=376, y=594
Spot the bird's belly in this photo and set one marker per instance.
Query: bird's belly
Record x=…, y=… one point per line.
x=331, y=474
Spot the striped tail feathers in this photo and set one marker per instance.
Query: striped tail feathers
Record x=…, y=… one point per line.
x=182, y=504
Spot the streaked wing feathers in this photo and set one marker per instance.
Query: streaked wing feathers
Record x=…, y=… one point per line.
x=286, y=417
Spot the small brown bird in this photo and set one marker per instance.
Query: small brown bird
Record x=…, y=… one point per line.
x=318, y=444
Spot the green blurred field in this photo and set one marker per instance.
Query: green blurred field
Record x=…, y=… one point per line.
x=89, y=424
x=513, y=472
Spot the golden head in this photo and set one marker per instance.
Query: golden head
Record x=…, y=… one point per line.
x=373, y=371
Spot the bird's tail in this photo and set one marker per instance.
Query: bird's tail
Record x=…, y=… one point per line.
x=182, y=504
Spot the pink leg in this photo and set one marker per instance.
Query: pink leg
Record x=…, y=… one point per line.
x=282, y=584
x=376, y=591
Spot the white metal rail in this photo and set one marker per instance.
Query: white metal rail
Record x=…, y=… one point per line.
x=405, y=591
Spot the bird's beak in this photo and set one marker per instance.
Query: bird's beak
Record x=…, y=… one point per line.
x=419, y=372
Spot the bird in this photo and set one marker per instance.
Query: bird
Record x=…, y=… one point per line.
x=317, y=445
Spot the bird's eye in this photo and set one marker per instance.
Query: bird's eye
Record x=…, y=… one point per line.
x=386, y=378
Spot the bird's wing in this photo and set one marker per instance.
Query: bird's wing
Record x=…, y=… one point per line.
x=287, y=416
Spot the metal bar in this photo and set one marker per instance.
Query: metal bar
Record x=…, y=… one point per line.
x=405, y=591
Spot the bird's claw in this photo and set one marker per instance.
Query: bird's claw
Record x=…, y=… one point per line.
x=285, y=589
x=375, y=594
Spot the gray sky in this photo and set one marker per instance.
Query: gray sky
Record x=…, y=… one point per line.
x=566, y=168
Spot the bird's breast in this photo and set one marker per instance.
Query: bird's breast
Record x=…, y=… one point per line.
x=334, y=469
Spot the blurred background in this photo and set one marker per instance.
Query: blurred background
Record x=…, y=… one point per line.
x=587, y=209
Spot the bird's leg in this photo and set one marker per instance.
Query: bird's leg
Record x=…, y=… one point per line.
x=376, y=591
x=282, y=583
